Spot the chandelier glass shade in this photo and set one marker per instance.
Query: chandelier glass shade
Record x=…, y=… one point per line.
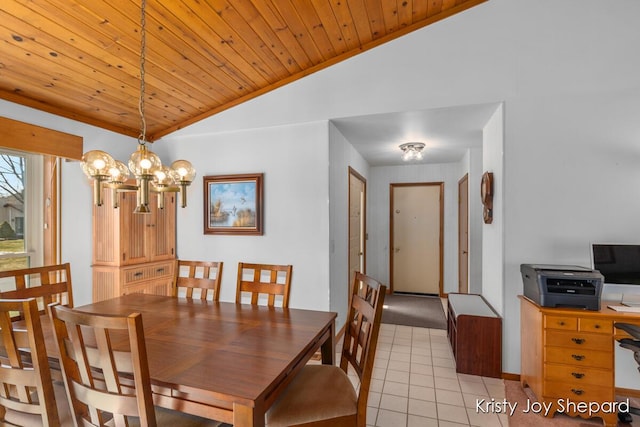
x=143, y=164
x=412, y=151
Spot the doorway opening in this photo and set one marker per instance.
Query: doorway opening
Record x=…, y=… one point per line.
x=357, y=225
x=463, y=234
x=416, y=236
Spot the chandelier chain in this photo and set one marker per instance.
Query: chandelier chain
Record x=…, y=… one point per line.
x=144, y=164
x=143, y=45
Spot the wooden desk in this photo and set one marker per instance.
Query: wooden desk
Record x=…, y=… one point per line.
x=568, y=354
x=223, y=361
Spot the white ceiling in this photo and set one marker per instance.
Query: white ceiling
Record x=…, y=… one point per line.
x=446, y=132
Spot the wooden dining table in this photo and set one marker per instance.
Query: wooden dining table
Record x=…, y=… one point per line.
x=219, y=360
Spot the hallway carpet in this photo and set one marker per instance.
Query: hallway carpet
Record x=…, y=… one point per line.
x=410, y=310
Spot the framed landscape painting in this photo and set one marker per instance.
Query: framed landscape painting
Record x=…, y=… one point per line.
x=233, y=204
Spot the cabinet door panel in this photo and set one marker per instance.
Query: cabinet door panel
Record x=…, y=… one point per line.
x=134, y=231
x=162, y=235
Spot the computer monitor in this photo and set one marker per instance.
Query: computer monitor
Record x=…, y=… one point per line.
x=620, y=266
x=618, y=263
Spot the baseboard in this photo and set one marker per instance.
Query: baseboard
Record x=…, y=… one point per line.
x=510, y=377
x=627, y=392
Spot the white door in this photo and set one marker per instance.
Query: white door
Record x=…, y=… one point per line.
x=416, y=233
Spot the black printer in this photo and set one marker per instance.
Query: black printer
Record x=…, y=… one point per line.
x=562, y=285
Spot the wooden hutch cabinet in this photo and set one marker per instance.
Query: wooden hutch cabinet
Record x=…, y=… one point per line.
x=133, y=253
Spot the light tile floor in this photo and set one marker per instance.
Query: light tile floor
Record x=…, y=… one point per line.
x=415, y=383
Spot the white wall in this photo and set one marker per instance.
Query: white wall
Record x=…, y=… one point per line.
x=492, y=234
x=342, y=155
x=475, y=221
x=294, y=160
x=571, y=178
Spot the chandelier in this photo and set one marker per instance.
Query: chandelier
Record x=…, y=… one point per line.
x=144, y=164
x=412, y=151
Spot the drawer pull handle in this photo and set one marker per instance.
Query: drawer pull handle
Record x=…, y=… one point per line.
x=138, y=274
x=577, y=391
x=561, y=323
x=578, y=340
x=160, y=270
x=577, y=356
x=596, y=326
x=577, y=375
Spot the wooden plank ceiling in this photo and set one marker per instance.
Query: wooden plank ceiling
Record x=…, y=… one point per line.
x=81, y=58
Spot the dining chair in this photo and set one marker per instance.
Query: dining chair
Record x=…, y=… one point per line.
x=266, y=279
x=104, y=383
x=47, y=284
x=203, y=275
x=28, y=396
x=106, y=372
x=323, y=395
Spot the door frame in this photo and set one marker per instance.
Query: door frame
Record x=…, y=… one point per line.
x=463, y=227
x=392, y=186
x=359, y=177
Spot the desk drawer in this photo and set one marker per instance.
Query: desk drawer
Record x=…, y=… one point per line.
x=578, y=392
x=566, y=323
x=141, y=273
x=579, y=340
x=594, y=325
x=577, y=375
x=579, y=357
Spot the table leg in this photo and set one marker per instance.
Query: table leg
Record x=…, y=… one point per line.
x=246, y=416
x=328, y=348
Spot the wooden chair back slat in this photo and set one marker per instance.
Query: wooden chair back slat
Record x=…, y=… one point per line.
x=361, y=332
x=25, y=379
x=47, y=284
x=98, y=383
x=276, y=283
x=203, y=275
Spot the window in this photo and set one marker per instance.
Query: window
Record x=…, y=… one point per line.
x=21, y=207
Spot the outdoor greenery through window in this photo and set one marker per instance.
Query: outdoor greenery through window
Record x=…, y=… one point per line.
x=13, y=249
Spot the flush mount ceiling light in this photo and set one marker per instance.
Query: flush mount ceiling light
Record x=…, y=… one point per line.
x=145, y=165
x=412, y=151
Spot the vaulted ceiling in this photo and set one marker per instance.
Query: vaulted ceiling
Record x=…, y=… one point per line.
x=81, y=59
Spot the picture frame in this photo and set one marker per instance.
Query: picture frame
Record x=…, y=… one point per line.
x=233, y=204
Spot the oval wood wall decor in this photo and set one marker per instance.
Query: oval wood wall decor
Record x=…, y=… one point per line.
x=486, y=196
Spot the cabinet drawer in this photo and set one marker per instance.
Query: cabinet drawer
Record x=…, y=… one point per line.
x=579, y=357
x=597, y=326
x=567, y=323
x=577, y=375
x=579, y=340
x=153, y=287
x=578, y=392
x=133, y=275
